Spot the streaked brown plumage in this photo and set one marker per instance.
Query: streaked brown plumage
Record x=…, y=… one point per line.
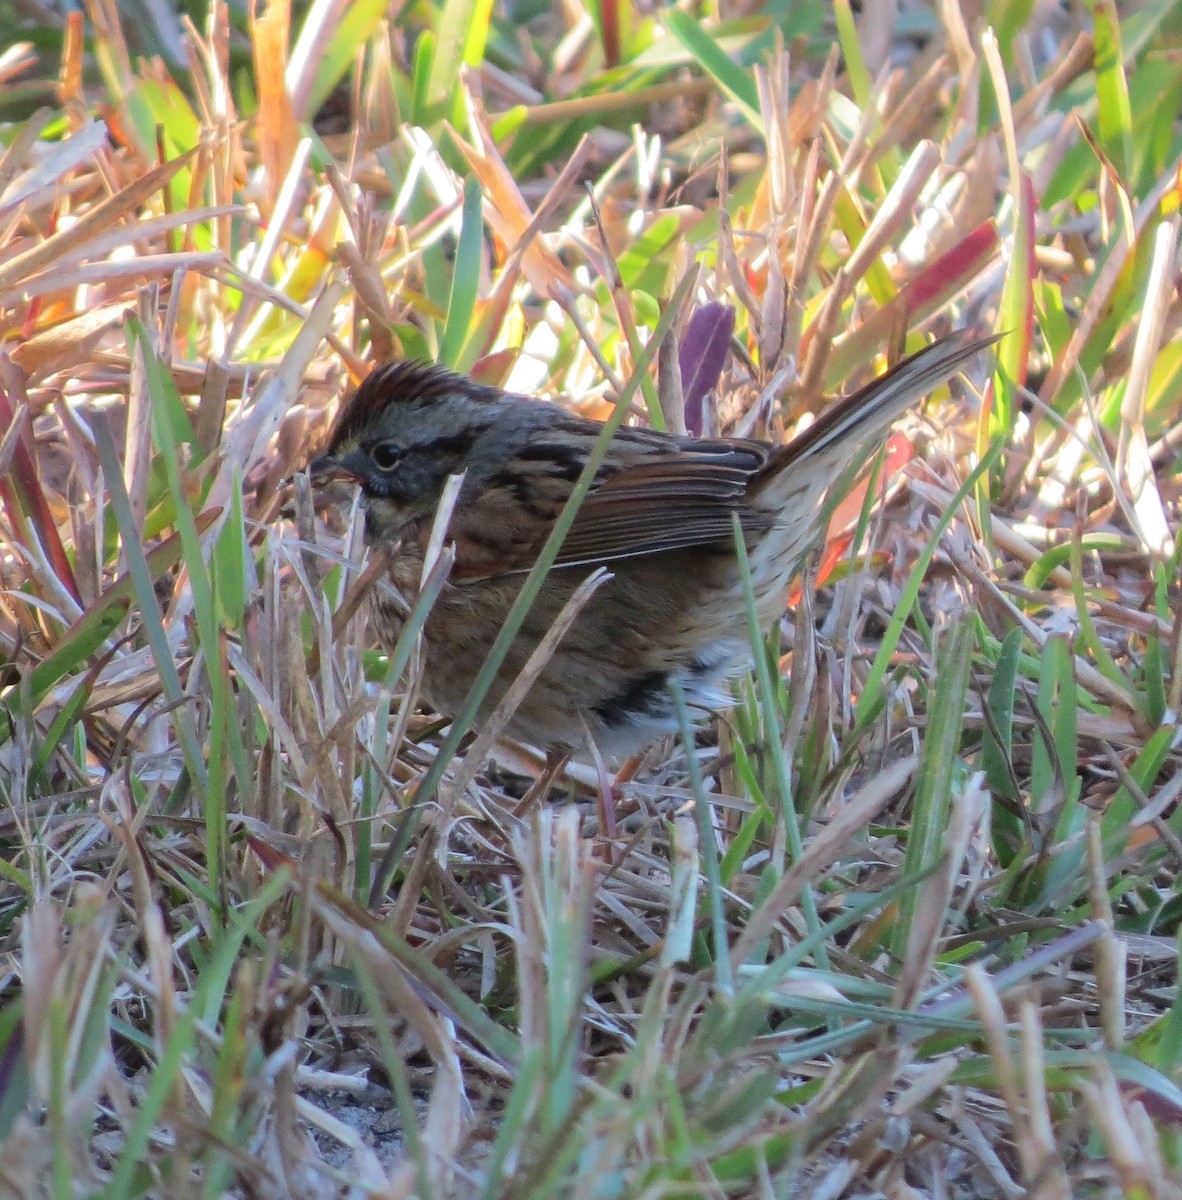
x=659, y=516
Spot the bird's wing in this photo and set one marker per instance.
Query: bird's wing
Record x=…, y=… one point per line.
x=667, y=502
x=649, y=497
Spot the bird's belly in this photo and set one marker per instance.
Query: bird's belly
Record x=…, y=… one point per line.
x=610, y=676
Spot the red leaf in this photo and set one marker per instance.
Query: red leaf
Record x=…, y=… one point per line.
x=22, y=494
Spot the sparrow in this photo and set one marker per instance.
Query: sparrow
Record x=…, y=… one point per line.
x=659, y=516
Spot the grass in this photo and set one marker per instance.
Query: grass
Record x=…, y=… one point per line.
x=904, y=922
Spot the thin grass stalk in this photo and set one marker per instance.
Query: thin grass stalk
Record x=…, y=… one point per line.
x=512, y=1128
x=223, y=724
x=63, y=1137
x=435, y=577
x=774, y=738
x=400, y=657
x=160, y=1087
x=937, y=771
x=450, y=998
x=137, y=566
x=564, y=913
x=625, y=315
x=395, y=1063
x=763, y=980
x=707, y=843
x=495, y=726
x=228, y=1086
x=830, y=841
x=677, y=944
x=872, y=690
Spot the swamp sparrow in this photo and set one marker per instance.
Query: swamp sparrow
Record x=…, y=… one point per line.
x=659, y=516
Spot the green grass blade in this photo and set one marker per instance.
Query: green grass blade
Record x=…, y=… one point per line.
x=938, y=770
x=141, y=576
x=465, y=278
x=460, y=38
x=1113, y=110
x=716, y=63
x=851, y=52
x=772, y=733
x=707, y=844
x=168, y=421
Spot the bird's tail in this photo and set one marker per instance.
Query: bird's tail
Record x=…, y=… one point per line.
x=850, y=426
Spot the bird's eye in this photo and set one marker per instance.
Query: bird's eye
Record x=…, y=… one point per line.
x=386, y=455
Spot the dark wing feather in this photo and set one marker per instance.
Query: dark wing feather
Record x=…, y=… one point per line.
x=668, y=502
x=660, y=496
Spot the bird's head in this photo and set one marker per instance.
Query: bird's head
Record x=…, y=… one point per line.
x=405, y=430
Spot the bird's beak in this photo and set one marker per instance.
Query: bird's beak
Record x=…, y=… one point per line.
x=326, y=468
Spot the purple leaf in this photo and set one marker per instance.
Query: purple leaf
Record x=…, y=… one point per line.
x=702, y=355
